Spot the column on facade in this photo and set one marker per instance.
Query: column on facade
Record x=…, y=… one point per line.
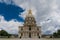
x=40, y=32
x=40, y=35
x=26, y=35
x=34, y=35
x=19, y=35
x=23, y=35
x=19, y=32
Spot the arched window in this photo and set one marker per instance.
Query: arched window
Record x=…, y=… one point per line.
x=29, y=28
x=38, y=35
x=21, y=28
x=37, y=28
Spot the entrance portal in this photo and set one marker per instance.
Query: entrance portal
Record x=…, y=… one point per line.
x=29, y=35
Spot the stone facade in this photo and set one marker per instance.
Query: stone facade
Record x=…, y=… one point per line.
x=29, y=28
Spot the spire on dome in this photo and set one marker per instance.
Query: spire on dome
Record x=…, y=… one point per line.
x=30, y=11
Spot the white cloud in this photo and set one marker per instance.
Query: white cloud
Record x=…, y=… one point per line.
x=46, y=12
x=25, y=6
x=10, y=26
x=7, y=1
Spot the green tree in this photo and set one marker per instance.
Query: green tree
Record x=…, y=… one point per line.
x=4, y=33
x=57, y=34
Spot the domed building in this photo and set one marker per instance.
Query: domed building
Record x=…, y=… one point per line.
x=29, y=28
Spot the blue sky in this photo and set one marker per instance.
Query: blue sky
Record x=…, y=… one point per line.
x=10, y=12
x=46, y=13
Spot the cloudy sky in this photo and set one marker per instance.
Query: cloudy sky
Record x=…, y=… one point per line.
x=46, y=13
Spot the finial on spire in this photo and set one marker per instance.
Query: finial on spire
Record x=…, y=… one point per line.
x=30, y=11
